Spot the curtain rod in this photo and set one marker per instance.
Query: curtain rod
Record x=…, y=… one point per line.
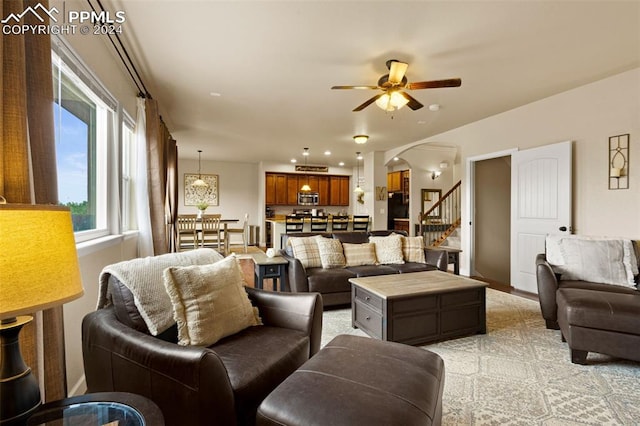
x=128, y=63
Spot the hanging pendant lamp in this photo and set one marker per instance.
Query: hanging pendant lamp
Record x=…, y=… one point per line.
x=358, y=190
x=199, y=183
x=306, y=186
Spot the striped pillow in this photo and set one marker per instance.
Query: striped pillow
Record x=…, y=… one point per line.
x=331, y=255
x=360, y=254
x=305, y=249
x=413, y=249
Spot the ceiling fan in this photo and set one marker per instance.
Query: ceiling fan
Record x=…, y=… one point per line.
x=393, y=86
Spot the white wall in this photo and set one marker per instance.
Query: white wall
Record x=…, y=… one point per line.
x=588, y=115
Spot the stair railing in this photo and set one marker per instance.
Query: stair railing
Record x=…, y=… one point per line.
x=442, y=219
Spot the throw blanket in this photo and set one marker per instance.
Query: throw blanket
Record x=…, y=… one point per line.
x=143, y=277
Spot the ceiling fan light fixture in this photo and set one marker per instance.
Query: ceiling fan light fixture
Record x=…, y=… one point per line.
x=391, y=101
x=360, y=139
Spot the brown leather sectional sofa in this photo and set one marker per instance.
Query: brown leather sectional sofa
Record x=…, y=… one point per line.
x=593, y=317
x=334, y=284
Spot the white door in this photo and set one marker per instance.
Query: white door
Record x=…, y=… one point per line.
x=540, y=205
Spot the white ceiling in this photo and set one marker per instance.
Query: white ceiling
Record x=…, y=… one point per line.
x=273, y=64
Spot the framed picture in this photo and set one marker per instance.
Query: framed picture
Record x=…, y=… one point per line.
x=194, y=195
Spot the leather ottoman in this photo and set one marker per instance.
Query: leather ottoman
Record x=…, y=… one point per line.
x=355, y=380
x=599, y=321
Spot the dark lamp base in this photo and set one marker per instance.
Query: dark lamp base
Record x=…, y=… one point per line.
x=18, y=387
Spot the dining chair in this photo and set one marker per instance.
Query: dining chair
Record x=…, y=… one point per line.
x=293, y=223
x=242, y=231
x=186, y=226
x=213, y=233
x=360, y=223
x=339, y=223
x=319, y=224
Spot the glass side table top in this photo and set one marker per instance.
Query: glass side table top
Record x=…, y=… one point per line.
x=100, y=409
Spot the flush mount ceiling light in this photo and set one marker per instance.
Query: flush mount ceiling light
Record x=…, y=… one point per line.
x=306, y=186
x=199, y=183
x=360, y=139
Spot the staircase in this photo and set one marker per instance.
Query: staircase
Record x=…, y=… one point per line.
x=440, y=224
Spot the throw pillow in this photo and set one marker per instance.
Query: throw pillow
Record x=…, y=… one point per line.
x=554, y=253
x=598, y=261
x=413, y=249
x=209, y=301
x=359, y=254
x=388, y=249
x=331, y=254
x=305, y=249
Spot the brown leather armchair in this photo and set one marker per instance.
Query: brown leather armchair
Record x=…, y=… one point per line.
x=218, y=385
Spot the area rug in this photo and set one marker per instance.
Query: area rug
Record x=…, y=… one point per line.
x=519, y=373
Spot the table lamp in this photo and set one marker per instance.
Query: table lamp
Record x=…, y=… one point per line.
x=38, y=270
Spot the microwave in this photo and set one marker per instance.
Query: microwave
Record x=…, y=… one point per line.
x=308, y=198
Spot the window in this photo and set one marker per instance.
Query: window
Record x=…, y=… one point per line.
x=84, y=121
x=128, y=172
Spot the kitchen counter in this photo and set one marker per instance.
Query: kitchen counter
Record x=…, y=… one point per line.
x=278, y=227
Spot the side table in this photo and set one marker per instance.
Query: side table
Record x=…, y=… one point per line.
x=269, y=267
x=101, y=408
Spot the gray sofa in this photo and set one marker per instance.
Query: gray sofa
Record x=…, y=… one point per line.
x=334, y=284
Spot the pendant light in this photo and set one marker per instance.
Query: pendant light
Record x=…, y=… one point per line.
x=358, y=190
x=306, y=186
x=199, y=183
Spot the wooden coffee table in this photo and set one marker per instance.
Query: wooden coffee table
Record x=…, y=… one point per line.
x=418, y=307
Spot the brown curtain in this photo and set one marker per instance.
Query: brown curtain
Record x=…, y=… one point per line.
x=28, y=172
x=161, y=162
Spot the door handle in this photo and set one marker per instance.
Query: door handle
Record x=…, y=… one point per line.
x=563, y=228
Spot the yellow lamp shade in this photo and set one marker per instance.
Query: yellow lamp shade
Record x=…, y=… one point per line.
x=39, y=263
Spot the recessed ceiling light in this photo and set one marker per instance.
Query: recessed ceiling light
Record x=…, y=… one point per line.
x=434, y=107
x=293, y=160
x=395, y=158
x=341, y=163
x=215, y=94
x=327, y=152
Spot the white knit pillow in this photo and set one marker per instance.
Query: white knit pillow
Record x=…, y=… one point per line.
x=413, y=249
x=209, y=301
x=360, y=254
x=331, y=255
x=388, y=249
x=598, y=261
x=305, y=249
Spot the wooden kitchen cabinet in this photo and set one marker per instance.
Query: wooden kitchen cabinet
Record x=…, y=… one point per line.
x=339, y=194
x=394, y=181
x=293, y=187
x=283, y=188
x=276, y=189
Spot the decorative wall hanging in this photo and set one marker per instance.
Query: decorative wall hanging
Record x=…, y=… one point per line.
x=194, y=195
x=619, y=162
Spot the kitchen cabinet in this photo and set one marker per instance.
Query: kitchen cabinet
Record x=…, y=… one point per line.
x=276, y=189
x=293, y=186
x=394, y=181
x=283, y=188
x=339, y=194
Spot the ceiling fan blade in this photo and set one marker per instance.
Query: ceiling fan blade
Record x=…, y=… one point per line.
x=413, y=102
x=434, y=84
x=397, y=71
x=354, y=87
x=367, y=103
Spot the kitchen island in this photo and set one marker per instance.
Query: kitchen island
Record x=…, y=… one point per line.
x=276, y=227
